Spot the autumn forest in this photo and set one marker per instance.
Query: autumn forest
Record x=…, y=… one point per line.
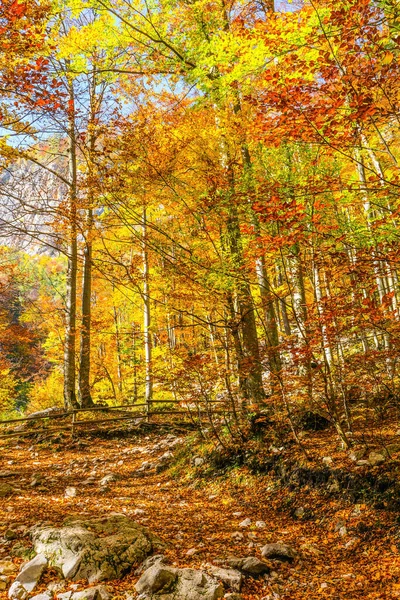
x=200, y=209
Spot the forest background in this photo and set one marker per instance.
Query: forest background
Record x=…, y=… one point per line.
x=199, y=200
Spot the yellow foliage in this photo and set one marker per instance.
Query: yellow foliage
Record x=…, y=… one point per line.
x=47, y=393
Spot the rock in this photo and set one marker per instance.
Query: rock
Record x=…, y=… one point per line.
x=261, y=524
x=5, y=490
x=167, y=583
x=98, y=592
x=158, y=579
x=55, y=586
x=245, y=523
x=250, y=565
x=327, y=461
x=95, y=549
x=70, y=492
x=237, y=536
x=108, y=479
x=7, y=567
x=44, y=596
x=149, y=562
x=31, y=572
x=17, y=591
x=230, y=577
x=46, y=412
x=191, y=552
x=299, y=512
x=375, y=458
x=233, y=596
x=278, y=551
x=198, y=461
x=357, y=454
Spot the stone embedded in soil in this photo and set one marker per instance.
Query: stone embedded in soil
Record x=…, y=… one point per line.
x=31, y=572
x=95, y=549
x=161, y=582
x=17, y=591
x=98, y=592
x=108, y=479
x=278, y=551
x=44, y=596
x=250, y=565
x=245, y=523
x=230, y=577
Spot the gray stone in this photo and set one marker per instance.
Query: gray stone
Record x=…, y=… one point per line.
x=95, y=549
x=160, y=582
x=230, y=577
x=233, y=596
x=250, y=565
x=31, y=572
x=158, y=579
x=245, y=523
x=98, y=592
x=198, y=461
x=17, y=591
x=70, y=492
x=44, y=596
x=108, y=479
x=278, y=551
x=149, y=562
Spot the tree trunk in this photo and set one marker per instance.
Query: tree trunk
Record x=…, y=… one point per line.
x=72, y=253
x=85, y=396
x=146, y=317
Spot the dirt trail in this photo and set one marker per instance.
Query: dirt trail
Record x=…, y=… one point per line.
x=201, y=522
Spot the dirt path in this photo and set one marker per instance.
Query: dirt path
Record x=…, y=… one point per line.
x=201, y=521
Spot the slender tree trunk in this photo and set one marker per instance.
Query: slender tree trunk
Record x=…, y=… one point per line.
x=85, y=396
x=118, y=349
x=147, y=317
x=72, y=252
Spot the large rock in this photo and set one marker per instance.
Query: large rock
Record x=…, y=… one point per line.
x=96, y=549
x=161, y=582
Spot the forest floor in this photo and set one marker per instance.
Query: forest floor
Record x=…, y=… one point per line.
x=346, y=551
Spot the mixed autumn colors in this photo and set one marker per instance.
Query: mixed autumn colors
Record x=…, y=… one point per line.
x=199, y=204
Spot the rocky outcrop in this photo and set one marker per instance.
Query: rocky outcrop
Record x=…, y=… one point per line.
x=96, y=549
